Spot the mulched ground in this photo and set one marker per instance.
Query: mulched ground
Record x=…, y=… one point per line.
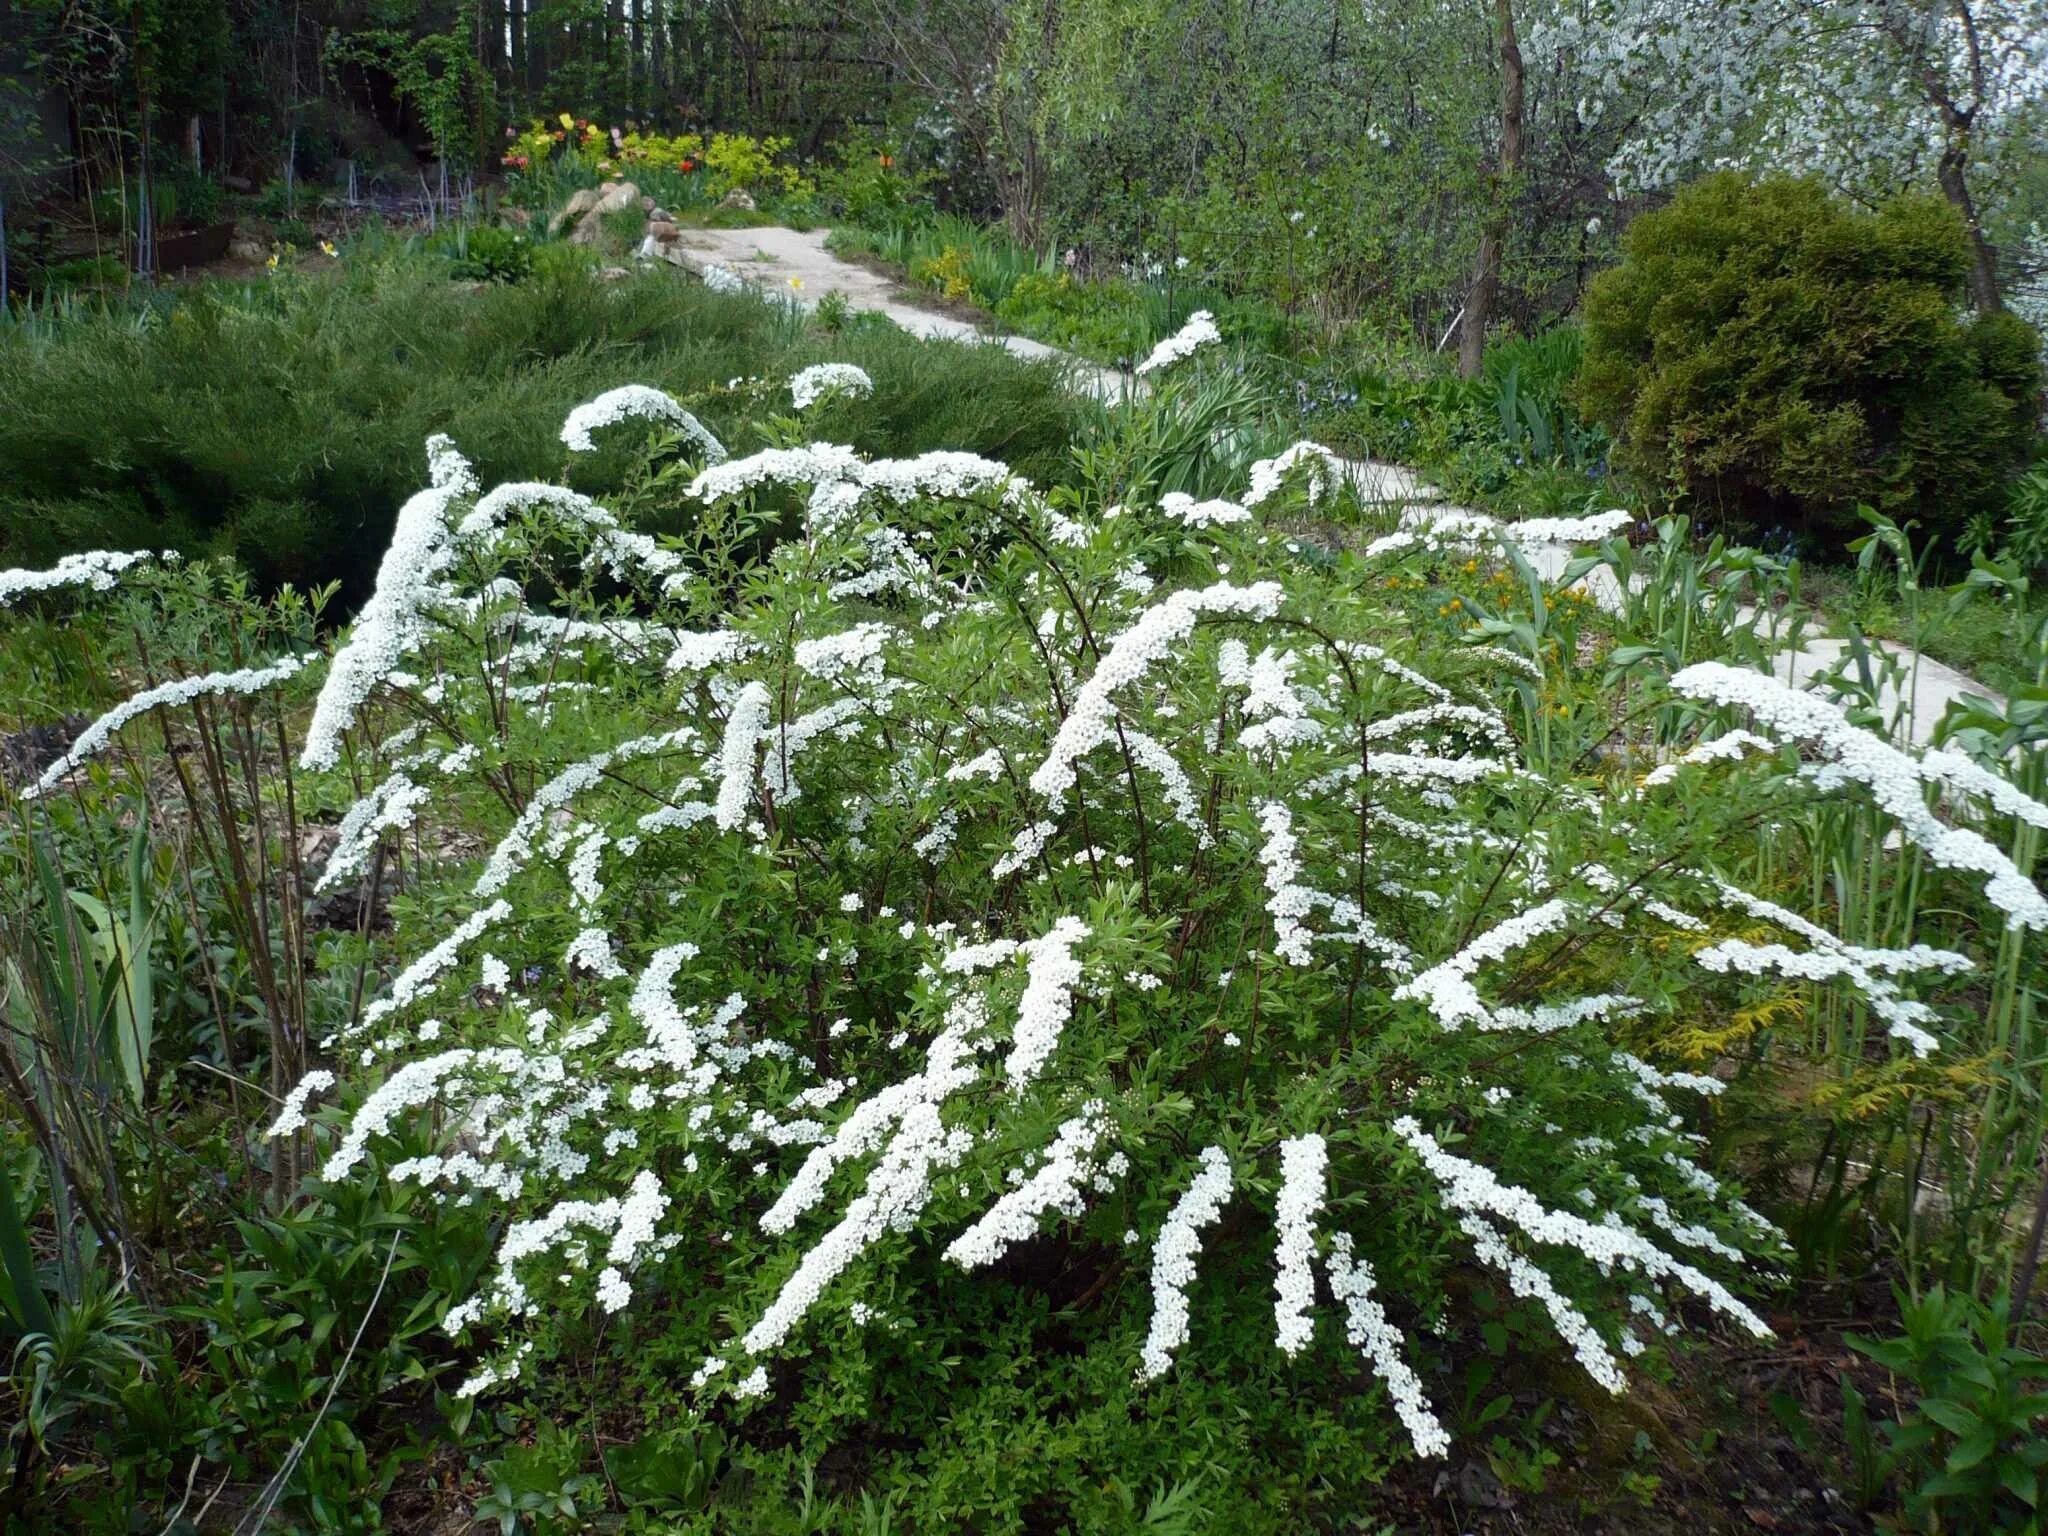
x=1746, y=1439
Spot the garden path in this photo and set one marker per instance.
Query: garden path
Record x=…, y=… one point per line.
x=780, y=260
x=796, y=261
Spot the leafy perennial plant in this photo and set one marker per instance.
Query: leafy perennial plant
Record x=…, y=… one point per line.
x=906, y=869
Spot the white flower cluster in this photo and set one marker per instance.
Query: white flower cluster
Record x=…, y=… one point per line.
x=1896, y=782
x=1215, y=513
x=1367, y=1330
x=393, y=805
x=812, y=384
x=1446, y=988
x=1288, y=901
x=392, y=623
x=635, y=402
x=1199, y=332
x=291, y=1115
x=746, y=726
x=1304, y=1161
x=1068, y=1168
x=1477, y=1195
x=1326, y=474
x=1282, y=712
x=179, y=691
x=98, y=569
x=1091, y=720
x=1721, y=749
x=722, y=279
x=1873, y=972
x=1173, y=1260
x=855, y=650
x=1050, y=976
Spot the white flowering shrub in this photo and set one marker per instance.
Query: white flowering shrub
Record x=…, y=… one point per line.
x=915, y=906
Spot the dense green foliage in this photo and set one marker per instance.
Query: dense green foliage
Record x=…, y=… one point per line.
x=1780, y=357
x=282, y=421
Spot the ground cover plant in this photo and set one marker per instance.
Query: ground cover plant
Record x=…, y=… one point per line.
x=1040, y=1003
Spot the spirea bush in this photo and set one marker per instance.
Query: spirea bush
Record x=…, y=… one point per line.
x=1057, y=992
x=1781, y=357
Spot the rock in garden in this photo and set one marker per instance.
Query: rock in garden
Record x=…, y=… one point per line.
x=664, y=232
x=616, y=198
x=737, y=198
x=578, y=205
x=245, y=249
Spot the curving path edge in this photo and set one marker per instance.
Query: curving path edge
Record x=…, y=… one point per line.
x=782, y=260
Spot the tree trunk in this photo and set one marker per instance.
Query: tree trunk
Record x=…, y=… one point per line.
x=636, y=66
x=657, y=62
x=1494, y=234
x=515, y=47
x=1955, y=185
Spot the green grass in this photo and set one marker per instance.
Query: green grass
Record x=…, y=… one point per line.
x=284, y=421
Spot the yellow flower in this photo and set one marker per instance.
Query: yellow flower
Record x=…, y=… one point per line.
x=327, y=248
x=568, y=121
x=797, y=283
x=272, y=263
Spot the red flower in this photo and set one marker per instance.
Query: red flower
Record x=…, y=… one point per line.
x=687, y=166
x=888, y=162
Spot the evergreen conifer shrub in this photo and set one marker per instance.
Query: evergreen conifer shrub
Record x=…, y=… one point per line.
x=1780, y=356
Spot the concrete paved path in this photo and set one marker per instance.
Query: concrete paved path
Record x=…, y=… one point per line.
x=771, y=256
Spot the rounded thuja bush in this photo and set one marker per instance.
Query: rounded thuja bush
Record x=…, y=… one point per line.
x=1781, y=357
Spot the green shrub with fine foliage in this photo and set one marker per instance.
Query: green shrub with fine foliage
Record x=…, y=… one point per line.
x=278, y=421
x=1780, y=356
